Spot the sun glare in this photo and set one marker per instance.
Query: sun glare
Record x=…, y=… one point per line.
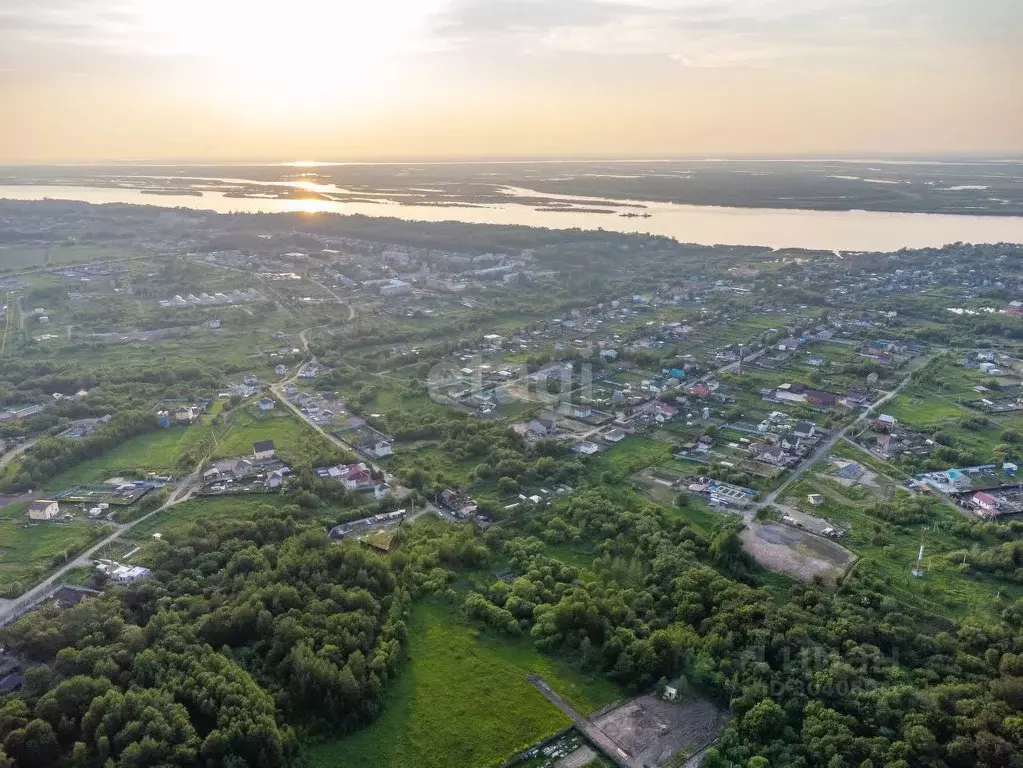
x=302, y=55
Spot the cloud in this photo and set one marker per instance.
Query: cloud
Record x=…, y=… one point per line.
x=691, y=33
x=701, y=33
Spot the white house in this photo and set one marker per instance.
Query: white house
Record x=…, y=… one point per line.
x=615, y=435
x=379, y=449
x=122, y=574
x=585, y=448
x=43, y=510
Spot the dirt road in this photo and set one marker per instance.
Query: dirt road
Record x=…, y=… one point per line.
x=606, y=744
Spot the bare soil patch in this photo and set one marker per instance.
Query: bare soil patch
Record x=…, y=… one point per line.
x=798, y=553
x=652, y=730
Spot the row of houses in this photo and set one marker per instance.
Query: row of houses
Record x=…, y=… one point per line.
x=460, y=504
x=355, y=477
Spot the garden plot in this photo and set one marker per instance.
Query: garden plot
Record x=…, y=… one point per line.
x=798, y=553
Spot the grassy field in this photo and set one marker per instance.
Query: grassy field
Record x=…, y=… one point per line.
x=923, y=410
x=19, y=257
x=635, y=453
x=889, y=552
x=462, y=701
x=157, y=452
x=292, y=438
x=28, y=552
x=180, y=518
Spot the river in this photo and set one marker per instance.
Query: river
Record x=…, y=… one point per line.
x=779, y=228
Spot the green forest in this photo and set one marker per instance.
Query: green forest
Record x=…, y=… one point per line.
x=258, y=636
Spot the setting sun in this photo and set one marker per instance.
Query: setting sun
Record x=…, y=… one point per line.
x=279, y=58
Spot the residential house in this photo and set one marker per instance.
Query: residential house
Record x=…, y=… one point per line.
x=122, y=574
x=791, y=392
x=771, y=454
x=885, y=422
x=886, y=445
x=986, y=504
x=614, y=435
x=822, y=399
x=815, y=499
x=356, y=477
x=543, y=427
x=700, y=390
x=187, y=415
x=43, y=510
x=789, y=345
x=581, y=411
x=264, y=449
x=266, y=404
x=585, y=448
x=250, y=381
x=376, y=447
x=804, y=430
x=663, y=412
x=449, y=498
x=229, y=469
x=855, y=398
x=281, y=370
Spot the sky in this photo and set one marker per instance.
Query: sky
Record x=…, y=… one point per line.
x=232, y=80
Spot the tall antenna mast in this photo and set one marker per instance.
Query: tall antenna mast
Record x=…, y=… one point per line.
x=919, y=569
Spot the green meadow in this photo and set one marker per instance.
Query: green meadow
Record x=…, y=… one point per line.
x=463, y=701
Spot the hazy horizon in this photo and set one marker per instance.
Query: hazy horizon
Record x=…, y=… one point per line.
x=897, y=158
x=148, y=81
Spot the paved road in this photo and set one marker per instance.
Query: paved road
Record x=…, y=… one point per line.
x=822, y=451
x=182, y=493
x=606, y=744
